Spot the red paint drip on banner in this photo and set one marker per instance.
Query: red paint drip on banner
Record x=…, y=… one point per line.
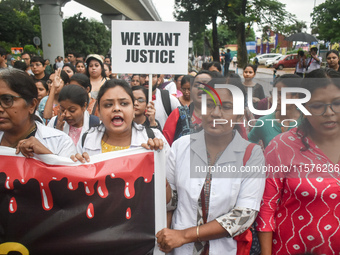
x=12, y=205
x=127, y=168
x=90, y=211
x=128, y=213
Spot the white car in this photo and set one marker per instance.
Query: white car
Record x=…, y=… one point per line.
x=262, y=58
x=270, y=62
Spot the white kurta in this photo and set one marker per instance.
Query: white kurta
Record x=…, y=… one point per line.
x=243, y=189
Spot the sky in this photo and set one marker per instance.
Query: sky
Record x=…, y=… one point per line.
x=301, y=8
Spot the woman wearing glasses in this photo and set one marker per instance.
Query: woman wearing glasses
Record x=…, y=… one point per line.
x=18, y=101
x=214, y=204
x=301, y=206
x=144, y=110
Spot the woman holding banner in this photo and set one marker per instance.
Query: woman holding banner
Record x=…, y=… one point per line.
x=214, y=201
x=117, y=131
x=18, y=128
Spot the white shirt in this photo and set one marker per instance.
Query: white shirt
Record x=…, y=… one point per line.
x=92, y=143
x=161, y=115
x=313, y=64
x=172, y=88
x=298, y=69
x=56, y=141
x=244, y=190
x=66, y=128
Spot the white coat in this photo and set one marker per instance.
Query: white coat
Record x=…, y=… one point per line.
x=66, y=128
x=56, y=141
x=92, y=144
x=244, y=190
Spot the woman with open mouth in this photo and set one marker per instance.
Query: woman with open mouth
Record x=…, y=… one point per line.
x=301, y=206
x=117, y=130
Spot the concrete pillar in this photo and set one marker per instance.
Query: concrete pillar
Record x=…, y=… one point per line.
x=51, y=27
x=108, y=17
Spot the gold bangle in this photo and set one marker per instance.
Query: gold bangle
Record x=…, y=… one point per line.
x=198, y=234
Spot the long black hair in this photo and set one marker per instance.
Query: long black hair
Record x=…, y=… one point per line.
x=75, y=94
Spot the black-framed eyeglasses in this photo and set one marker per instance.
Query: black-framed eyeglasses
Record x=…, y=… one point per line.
x=320, y=108
x=6, y=100
x=140, y=100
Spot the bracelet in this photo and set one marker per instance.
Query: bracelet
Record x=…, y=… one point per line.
x=198, y=234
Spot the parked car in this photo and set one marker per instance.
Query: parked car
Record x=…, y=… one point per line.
x=262, y=58
x=270, y=62
x=289, y=61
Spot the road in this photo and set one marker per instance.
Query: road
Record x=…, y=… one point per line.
x=264, y=76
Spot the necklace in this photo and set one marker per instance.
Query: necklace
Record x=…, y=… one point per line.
x=30, y=133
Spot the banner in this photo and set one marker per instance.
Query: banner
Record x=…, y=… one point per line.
x=108, y=206
x=150, y=47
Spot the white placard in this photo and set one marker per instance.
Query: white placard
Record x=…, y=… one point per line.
x=150, y=47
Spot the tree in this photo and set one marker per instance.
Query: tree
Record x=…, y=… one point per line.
x=239, y=15
x=20, y=22
x=225, y=36
x=296, y=27
x=242, y=14
x=86, y=36
x=326, y=20
x=200, y=13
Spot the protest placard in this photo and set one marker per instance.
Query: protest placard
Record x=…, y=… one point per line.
x=150, y=47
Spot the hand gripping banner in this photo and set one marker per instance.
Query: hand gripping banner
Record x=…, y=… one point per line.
x=113, y=205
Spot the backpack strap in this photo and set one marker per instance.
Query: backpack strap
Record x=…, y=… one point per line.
x=247, y=153
x=150, y=132
x=55, y=122
x=166, y=101
x=94, y=121
x=83, y=138
x=94, y=107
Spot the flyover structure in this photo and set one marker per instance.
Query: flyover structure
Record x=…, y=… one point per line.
x=51, y=18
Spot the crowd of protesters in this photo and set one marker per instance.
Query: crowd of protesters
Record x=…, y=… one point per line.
x=79, y=107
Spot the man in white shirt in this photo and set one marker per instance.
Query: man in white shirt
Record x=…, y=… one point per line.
x=314, y=61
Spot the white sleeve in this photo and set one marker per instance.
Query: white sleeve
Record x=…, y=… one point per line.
x=166, y=147
x=51, y=122
x=62, y=145
x=171, y=87
x=174, y=102
x=171, y=167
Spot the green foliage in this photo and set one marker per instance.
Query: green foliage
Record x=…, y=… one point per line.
x=6, y=45
x=85, y=36
x=225, y=36
x=238, y=15
x=294, y=28
x=31, y=49
x=19, y=22
x=326, y=20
